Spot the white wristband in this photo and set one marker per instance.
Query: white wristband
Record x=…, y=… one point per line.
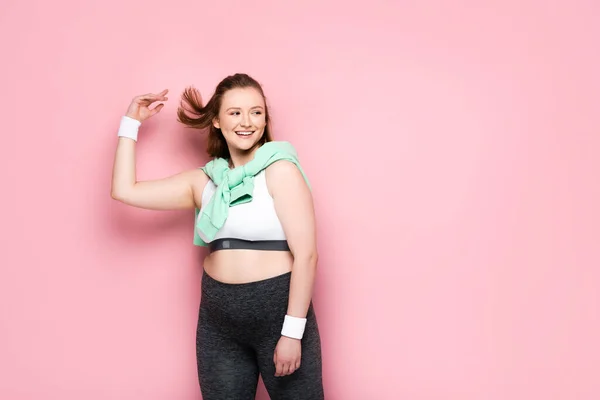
x=129, y=128
x=293, y=327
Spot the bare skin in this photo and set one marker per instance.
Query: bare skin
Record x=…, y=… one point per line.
x=242, y=111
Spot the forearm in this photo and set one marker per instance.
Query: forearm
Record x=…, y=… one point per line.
x=124, y=172
x=301, y=285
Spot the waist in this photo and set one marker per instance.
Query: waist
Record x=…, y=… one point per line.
x=241, y=265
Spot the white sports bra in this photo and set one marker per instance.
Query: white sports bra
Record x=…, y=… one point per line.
x=254, y=220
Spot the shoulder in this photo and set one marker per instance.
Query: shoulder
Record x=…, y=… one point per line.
x=283, y=175
x=282, y=166
x=282, y=149
x=286, y=158
x=215, y=168
x=282, y=169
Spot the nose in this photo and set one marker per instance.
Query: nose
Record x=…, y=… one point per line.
x=245, y=120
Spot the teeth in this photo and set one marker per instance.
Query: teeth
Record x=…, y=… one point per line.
x=244, y=133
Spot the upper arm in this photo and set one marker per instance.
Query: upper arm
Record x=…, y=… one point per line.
x=294, y=207
x=179, y=191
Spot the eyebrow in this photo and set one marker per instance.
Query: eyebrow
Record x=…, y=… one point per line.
x=238, y=108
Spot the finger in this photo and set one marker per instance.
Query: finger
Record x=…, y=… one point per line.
x=291, y=369
x=277, y=365
x=150, y=97
x=156, y=109
x=297, y=364
x=147, y=100
x=278, y=369
x=286, y=369
x=160, y=94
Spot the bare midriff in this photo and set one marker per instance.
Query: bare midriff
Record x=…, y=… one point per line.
x=243, y=266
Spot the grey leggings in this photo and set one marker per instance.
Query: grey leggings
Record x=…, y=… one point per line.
x=239, y=326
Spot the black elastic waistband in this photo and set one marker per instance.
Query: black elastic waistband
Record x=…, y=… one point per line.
x=240, y=244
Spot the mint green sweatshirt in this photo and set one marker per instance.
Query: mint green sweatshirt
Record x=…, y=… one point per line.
x=235, y=186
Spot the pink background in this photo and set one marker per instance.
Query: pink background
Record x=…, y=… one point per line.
x=453, y=149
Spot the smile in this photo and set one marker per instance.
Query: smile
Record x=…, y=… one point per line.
x=244, y=133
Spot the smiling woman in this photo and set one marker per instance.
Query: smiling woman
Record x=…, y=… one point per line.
x=255, y=213
x=243, y=117
x=237, y=110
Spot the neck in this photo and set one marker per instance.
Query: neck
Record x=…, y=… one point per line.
x=241, y=157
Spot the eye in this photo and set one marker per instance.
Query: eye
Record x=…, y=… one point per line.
x=235, y=113
x=257, y=112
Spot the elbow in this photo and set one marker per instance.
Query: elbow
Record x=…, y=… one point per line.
x=121, y=192
x=117, y=194
x=309, y=259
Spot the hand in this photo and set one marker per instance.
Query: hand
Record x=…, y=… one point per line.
x=287, y=356
x=139, y=107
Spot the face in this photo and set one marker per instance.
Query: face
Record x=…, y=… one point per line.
x=242, y=118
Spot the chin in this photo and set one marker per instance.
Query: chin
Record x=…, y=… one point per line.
x=245, y=144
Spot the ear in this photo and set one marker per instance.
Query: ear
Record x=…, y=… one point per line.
x=216, y=123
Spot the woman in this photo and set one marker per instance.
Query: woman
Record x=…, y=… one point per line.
x=254, y=211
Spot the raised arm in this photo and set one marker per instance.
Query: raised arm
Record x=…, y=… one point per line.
x=179, y=191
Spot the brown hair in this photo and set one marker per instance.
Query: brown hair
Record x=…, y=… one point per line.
x=202, y=117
